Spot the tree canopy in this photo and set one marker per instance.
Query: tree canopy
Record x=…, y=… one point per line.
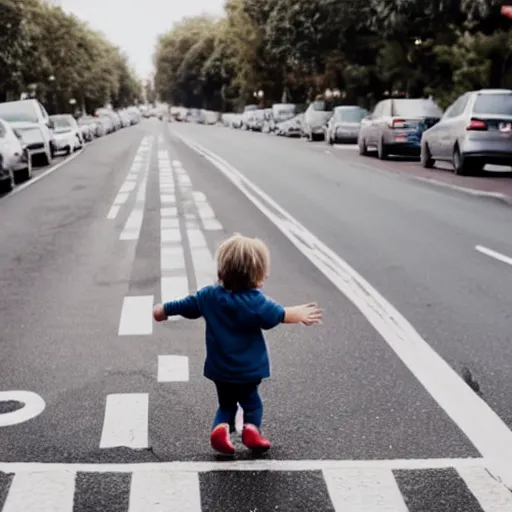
x=53, y=55
x=297, y=48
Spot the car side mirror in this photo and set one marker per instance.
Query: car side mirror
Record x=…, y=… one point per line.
x=50, y=124
x=18, y=134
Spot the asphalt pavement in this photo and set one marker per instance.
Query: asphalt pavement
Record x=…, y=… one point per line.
x=118, y=414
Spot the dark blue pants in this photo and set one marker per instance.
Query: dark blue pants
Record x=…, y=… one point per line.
x=246, y=395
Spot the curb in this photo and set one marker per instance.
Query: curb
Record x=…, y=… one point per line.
x=496, y=196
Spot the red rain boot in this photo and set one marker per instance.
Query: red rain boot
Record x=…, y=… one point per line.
x=252, y=438
x=220, y=440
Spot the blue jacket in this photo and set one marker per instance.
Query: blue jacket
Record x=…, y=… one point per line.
x=235, y=347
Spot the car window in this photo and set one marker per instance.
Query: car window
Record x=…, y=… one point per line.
x=377, y=112
x=350, y=115
x=415, y=108
x=493, y=104
x=18, y=112
x=319, y=106
x=61, y=122
x=386, y=108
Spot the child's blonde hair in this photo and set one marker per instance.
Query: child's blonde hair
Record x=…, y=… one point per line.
x=242, y=263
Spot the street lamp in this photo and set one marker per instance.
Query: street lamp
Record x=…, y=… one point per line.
x=72, y=101
x=418, y=42
x=336, y=93
x=51, y=78
x=328, y=94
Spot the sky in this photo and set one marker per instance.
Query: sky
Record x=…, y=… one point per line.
x=134, y=25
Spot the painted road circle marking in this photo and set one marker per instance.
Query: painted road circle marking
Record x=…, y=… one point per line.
x=33, y=405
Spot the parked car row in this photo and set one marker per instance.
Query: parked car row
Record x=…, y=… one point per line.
x=474, y=131
x=30, y=137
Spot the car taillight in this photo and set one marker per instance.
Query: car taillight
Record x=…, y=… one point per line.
x=477, y=125
x=398, y=123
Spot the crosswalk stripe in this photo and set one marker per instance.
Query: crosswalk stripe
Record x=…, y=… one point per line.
x=173, y=368
x=492, y=495
x=136, y=316
x=174, y=288
x=156, y=491
x=41, y=492
x=204, y=265
x=364, y=490
x=126, y=421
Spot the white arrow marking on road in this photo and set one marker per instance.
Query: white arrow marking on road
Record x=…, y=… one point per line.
x=493, y=254
x=33, y=406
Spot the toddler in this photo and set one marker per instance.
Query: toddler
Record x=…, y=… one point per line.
x=235, y=312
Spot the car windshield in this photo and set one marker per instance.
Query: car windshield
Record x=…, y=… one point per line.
x=18, y=112
x=500, y=104
x=350, y=115
x=61, y=123
x=416, y=108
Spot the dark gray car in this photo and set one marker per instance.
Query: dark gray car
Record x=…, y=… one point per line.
x=475, y=130
x=345, y=124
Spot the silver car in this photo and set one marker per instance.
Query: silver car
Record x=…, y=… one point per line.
x=475, y=130
x=316, y=118
x=345, y=124
x=396, y=126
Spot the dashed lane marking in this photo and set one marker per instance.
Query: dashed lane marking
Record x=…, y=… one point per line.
x=494, y=254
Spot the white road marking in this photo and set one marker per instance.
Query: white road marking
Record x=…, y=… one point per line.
x=131, y=230
x=169, y=223
x=364, y=491
x=176, y=163
x=137, y=316
x=112, y=213
x=174, y=288
x=156, y=491
x=173, y=369
x=169, y=212
x=41, y=492
x=172, y=235
x=129, y=183
x=202, y=260
x=491, y=494
x=172, y=258
x=168, y=199
x=493, y=254
x=212, y=225
x=482, y=426
x=239, y=420
x=126, y=421
x=34, y=180
x=33, y=406
x=247, y=465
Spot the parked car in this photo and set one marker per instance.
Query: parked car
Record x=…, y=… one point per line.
x=88, y=127
x=316, y=118
x=293, y=127
x=247, y=114
x=345, y=124
x=396, y=126
x=256, y=119
x=282, y=112
x=15, y=161
x=114, y=118
x=67, y=133
x=32, y=121
x=475, y=130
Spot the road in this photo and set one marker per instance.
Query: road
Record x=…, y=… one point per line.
x=366, y=412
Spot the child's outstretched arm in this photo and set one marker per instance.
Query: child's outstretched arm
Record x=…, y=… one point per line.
x=187, y=308
x=307, y=314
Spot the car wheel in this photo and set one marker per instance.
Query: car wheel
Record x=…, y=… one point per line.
x=426, y=157
x=460, y=164
x=382, y=151
x=26, y=174
x=363, y=148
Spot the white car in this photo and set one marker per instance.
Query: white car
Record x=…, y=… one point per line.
x=66, y=133
x=30, y=116
x=15, y=161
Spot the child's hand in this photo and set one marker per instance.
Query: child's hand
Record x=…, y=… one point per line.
x=159, y=313
x=311, y=314
x=307, y=314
